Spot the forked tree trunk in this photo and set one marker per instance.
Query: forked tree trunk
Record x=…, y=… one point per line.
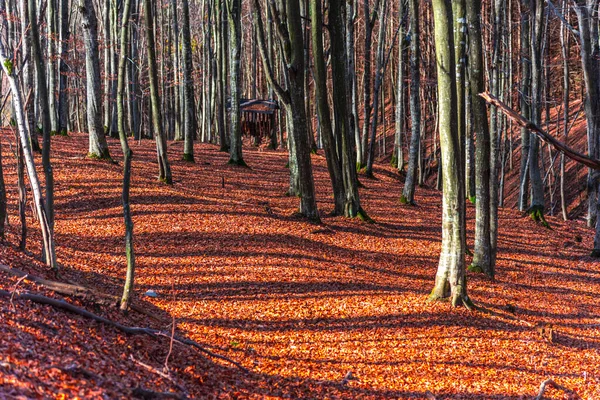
x=450, y=281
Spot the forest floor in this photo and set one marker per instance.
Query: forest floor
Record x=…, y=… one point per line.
x=301, y=306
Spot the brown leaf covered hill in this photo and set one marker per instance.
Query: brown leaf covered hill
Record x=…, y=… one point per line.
x=299, y=305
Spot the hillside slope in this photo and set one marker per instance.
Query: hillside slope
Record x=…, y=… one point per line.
x=299, y=305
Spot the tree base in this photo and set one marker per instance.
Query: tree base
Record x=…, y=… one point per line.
x=238, y=163
x=472, y=199
x=537, y=215
x=188, y=158
x=167, y=180
x=104, y=156
x=406, y=202
x=224, y=149
x=475, y=268
x=363, y=216
x=595, y=253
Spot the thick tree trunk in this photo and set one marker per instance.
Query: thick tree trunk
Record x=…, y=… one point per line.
x=234, y=18
x=98, y=148
x=525, y=105
x=450, y=279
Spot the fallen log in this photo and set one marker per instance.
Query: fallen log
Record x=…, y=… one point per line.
x=543, y=135
x=154, y=333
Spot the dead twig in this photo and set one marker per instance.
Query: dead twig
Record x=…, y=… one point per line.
x=164, y=375
x=21, y=279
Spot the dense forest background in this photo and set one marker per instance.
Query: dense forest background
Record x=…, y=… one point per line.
x=290, y=167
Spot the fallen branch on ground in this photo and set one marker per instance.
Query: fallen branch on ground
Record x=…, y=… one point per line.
x=154, y=333
x=550, y=382
x=76, y=290
x=157, y=372
x=546, y=137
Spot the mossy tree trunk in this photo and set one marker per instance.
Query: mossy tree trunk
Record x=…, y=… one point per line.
x=98, y=147
x=127, y=156
x=537, y=204
x=450, y=281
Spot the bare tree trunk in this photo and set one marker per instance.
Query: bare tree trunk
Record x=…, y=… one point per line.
x=450, y=281
x=63, y=101
x=98, y=148
x=234, y=18
x=164, y=169
x=189, y=126
x=127, y=156
x=17, y=99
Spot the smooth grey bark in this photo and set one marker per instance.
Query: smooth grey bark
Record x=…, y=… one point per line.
x=450, y=281
x=234, y=19
x=164, y=169
x=46, y=124
x=127, y=156
x=408, y=192
x=586, y=11
x=27, y=71
x=400, y=112
x=17, y=100
x=98, y=147
x=176, y=70
x=482, y=260
x=368, y=44
x=51, y=63
x=189, y=125
x=537, y=206
x=351, y=81
x=525, y=93
x=380, y=69
x=63, y=100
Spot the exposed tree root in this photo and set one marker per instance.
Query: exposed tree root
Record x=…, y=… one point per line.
x=154, y=333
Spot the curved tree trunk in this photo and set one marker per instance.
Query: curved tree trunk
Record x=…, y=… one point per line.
x=127, y=156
